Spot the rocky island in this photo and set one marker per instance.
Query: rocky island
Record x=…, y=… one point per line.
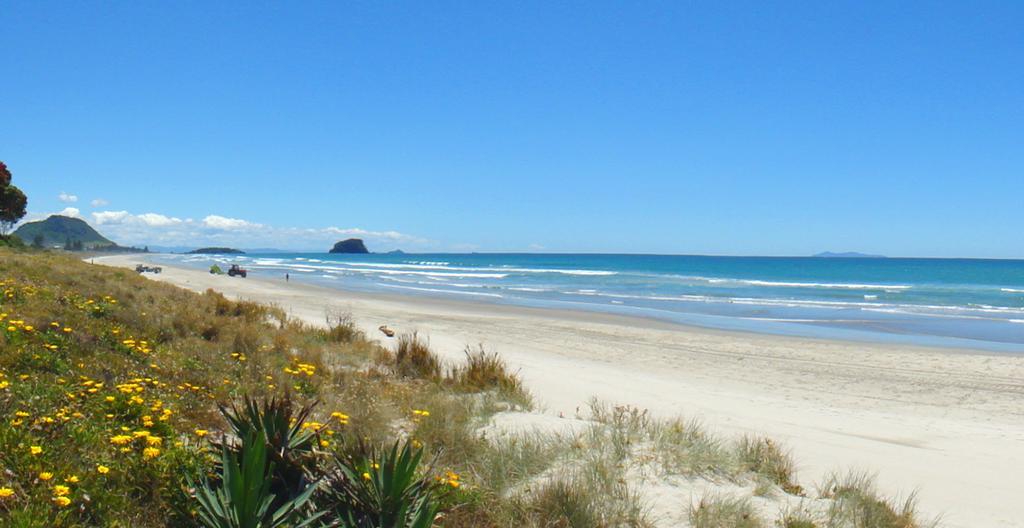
x=351, y=245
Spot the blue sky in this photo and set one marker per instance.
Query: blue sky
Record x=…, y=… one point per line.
x=665, y=127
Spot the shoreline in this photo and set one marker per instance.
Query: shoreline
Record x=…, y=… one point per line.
x=890, y=321
x=946, y=422
x=579, y=314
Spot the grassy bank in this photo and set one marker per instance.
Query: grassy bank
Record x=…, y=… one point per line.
x=123, y=400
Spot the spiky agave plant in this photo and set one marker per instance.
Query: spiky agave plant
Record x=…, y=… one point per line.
x=241, y=497
x=289, y=447
x=382, y=488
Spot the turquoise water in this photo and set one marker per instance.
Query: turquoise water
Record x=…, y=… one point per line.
x=945, y=302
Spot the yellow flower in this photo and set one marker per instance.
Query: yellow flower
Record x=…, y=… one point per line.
x=6, y=492
x=120, y=439
x=61, y=490
x=103, y=470
x=72, y=479
x=154, y=440
x=35, y=450
x=29, y=328
x=201, y=432
x=45, y=475
x=67, y=330
x=150, y=452
x=366, y=476
x=61, y=501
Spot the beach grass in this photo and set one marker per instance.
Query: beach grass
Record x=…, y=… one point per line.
x=110, y=387
x=724, y=512
x=855, y=502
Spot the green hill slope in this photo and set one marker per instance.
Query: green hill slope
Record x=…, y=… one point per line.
x=58, y=230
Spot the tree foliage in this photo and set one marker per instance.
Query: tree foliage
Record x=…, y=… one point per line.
x=13, y=202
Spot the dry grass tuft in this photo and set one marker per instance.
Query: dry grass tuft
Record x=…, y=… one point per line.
x=487, y=371
x=765, y=458
x=585, y=497
x=413, y=359
x=724, y=512
x=856, y=503
x=796, y=518
x=341, y=328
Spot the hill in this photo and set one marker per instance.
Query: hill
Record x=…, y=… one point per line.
x=58, y=230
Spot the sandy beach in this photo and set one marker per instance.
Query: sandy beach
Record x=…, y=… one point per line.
x=947, y=423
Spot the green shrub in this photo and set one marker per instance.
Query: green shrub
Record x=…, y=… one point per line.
x=289, y=442
x=241, y=497
x=382, y=488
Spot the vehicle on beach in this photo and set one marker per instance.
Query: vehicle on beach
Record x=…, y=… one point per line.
x=139, y=268
x=235, y=269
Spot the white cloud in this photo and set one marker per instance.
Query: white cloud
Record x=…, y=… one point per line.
x=157, y=229
x=99, y=202
x=158, y=220
x=70, y=211
x=357, y=232
x=67, y=198
x=35, y=217
x=110, y=217
x=221, y=222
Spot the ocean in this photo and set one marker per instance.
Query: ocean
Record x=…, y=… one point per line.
x=965, y=303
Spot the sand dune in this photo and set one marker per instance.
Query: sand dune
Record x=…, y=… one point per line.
x=947, y=423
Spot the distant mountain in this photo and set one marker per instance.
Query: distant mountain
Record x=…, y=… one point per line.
x=351, y=245
x=58, y=230
x=216, y=251
x=847, y=254
x=395, y=252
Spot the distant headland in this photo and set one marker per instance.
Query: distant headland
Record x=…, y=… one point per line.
x=847, y=254
x=70, y=234
x=216, y=251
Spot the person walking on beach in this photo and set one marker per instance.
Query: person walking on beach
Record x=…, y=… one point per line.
x=286, y=277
